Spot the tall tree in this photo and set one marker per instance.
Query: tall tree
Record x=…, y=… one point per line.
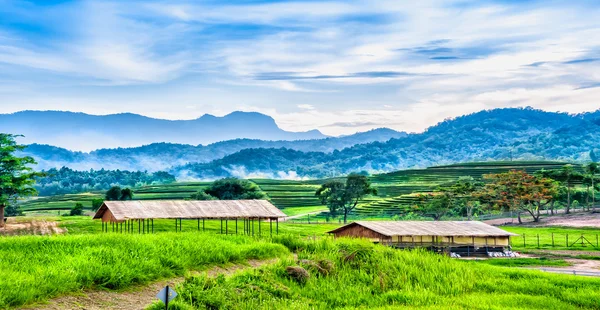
x=231, y=189
x=567, y=176
x=521, y=192
x=16, y=177
x=345, y=197
x=434, y=205
x=592, y=170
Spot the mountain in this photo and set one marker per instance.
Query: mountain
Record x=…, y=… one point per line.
x=500, y=134
x=84, y=132
x=162, y=156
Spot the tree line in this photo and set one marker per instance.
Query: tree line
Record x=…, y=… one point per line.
x=515, y=191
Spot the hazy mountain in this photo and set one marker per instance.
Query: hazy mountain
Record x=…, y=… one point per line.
x=501, y=134
x=162, y=156
x=84, y=132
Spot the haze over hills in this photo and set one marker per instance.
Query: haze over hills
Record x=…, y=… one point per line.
x=499, y=134
x=163, y=156
x=84, y=132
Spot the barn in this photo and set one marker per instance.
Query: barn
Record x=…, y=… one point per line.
x=465, y=237
x=139, y=215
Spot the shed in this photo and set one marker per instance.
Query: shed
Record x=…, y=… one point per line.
x=422, y=233
x=144, y=212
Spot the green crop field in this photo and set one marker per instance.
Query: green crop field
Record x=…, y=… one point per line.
x=396, y=190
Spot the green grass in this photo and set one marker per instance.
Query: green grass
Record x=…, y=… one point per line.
x=525, y=262
x=36, y=268
x=560, y=238
x=367, y=276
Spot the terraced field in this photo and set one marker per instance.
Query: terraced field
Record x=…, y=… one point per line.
x=396, y=190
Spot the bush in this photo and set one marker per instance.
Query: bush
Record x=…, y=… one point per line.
x=77, y=210
x=298, y=274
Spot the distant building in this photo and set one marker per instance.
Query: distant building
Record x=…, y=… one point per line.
x=466, y=237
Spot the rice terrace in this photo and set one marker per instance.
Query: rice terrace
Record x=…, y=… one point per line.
x=299, y=154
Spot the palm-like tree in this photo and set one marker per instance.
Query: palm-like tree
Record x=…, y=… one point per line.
x=592, y=169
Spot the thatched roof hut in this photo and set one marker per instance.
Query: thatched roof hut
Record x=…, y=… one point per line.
x=116, y=211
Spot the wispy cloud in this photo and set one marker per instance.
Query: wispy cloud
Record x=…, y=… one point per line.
x=421, y=61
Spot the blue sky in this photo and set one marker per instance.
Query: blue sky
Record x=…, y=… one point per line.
x=339, y=66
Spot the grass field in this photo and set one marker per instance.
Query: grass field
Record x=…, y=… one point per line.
x=37, y=268
x=367, y=276
x=564, y=238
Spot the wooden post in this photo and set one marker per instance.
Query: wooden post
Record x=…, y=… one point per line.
x=567, y=240
x=538, y=240
x=198, y=224
x=277, y=226
x=176, y=225
x=271, y=228
x=152, y=225
x=524, y=244
x=259, y=227
x=221, y=226
x=180, y=225
x=203, y=225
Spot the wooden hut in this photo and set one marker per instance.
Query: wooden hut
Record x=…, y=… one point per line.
x=124, y=215
x=458, y=236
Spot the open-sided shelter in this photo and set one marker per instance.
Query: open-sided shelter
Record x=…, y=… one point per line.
x=123, y=215
x=469, y=235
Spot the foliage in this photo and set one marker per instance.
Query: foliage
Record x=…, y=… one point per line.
x=568, y=176
x=230, y=189
x=116, y=193
x=45, y=267
x=77, y=210
x=519, y=191
x=344, y=197
x=68, y=181
x=16, y=175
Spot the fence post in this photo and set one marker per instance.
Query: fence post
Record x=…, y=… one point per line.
x=524, y=245
x=538, y=240
x=567, y=240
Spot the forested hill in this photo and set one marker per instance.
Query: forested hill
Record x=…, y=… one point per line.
x=162, y=156
x=500, y=134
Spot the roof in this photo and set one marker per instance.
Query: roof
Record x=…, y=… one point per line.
x=431, y=228
x=197, y=209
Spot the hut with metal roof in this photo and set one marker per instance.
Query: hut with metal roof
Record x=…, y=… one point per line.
x=458, y=236
x=122, y=216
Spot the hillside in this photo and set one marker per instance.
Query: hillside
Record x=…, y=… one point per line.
x=84, y=132
x=162, y=156
x=501, y=134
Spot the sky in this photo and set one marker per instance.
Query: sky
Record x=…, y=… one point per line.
x=336, y=66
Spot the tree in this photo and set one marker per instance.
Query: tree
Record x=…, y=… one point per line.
x=463, y=191
x=434, y=205
x=521, y=192
x=344, y=197
x=566, y=176
x=126, y=194
x=231, y=189
x=592, y=170
x=77, y=210
x=113, y=194
x=16, y=177
x=116, y=193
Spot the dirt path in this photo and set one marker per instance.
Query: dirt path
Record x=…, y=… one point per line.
x=285, y=219
x=31, y=227
x=575, y=219
x=581, y=267
x=136, y=298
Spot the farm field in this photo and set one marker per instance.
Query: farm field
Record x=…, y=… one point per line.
x=396, y=190
x=357, y=274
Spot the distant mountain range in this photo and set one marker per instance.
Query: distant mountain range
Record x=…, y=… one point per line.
x=84, y=132
x=163, y=156
x=500, y=134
